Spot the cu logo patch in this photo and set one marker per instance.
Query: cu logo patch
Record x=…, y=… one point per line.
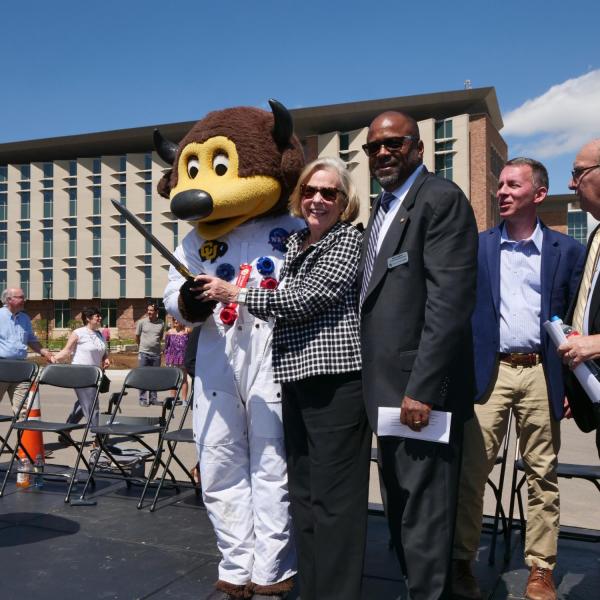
x=211, y=250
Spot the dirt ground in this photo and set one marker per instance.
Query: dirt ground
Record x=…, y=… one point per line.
x=118, y=360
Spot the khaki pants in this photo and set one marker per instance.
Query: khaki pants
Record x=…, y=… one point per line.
x=16, y=393
x=524, y=390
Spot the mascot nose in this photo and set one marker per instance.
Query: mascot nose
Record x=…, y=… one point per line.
x=192, y=205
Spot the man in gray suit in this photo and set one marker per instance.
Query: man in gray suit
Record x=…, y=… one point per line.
x=417, y=281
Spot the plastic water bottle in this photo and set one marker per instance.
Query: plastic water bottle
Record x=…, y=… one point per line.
x=570, y=332
x=38, y=467
x=23, y=480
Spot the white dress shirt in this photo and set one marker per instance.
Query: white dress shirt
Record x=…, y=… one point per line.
x=520, y=292
x=399, y=194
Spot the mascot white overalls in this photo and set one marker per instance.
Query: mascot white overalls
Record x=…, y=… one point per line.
x=232, y=174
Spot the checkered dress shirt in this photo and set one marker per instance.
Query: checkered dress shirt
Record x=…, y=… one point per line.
x=316, y=309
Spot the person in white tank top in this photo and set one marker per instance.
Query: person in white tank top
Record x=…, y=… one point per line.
x=86, y=346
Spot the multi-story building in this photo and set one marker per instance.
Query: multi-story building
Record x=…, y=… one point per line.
x=63, y=242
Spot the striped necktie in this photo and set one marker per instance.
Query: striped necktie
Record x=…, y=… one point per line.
x=384, y=205
x=586, y=282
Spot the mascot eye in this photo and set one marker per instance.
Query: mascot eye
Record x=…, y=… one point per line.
x=193, y=167
x=220, y=164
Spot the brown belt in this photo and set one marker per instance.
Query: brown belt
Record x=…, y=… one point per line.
x=518, y=359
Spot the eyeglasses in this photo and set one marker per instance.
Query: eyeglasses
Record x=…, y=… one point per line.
x=391, y=144
x=18, y=297
x=577, y=172
x=329, y=194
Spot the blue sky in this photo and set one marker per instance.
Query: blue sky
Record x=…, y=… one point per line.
x=73, y=67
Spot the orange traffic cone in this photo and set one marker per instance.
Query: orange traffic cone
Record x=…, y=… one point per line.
x=33, y=440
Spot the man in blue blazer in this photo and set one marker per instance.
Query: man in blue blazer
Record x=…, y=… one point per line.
x=526, y=274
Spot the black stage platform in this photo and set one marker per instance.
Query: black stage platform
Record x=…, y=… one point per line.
x=49, y=549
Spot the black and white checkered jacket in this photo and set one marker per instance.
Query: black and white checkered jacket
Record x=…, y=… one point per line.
x=316, y=308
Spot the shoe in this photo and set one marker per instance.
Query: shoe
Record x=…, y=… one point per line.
x=464, y=584
x=540, y=585
x=144, y=402
x=94, y=456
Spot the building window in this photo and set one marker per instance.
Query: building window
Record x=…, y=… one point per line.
x=47, y=247
x=72, y=273
x=62, y=313
x=122, y=240
x=72, y=202
x=122, y=163
x=496, y=163
x=175, y=234
x=25, y=283
x=48, y=170
x=148, y=196
x=73, y=242
x=577, y=225
x=25, y=205
x=3, y=245
x=47, y=284
x=25, y=171
x=122, y=282
x=96, y=241
x=3, y=279
x=148, y=161
x=97, y=203
x=444, y=149
x=108, y=308
x=444, y=165
x=148, y=281
x=3, y=173
x=96, y=288
x=375, y=189
x=73, y=168
x=147, y=244
x=3, y=207
x=443, y=129
x=48, y=204
x=25, y=244
x=96, y=166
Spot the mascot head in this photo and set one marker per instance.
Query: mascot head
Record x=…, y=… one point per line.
x=233, y=165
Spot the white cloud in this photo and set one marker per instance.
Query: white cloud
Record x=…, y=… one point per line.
x=559, y=121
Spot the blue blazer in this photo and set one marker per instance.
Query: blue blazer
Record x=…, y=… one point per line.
x=561, y=267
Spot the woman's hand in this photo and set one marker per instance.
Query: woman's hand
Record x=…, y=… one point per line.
x=579, y=348
x=212, y=289
x=105, y=362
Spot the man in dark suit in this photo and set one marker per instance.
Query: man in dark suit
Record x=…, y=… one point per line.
x=417, y=288
x=527, y=273
x=585, y=312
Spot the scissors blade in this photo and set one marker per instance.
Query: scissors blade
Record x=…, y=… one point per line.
x=160, y=247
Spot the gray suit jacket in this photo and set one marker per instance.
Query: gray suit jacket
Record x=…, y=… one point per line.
x=415, y=319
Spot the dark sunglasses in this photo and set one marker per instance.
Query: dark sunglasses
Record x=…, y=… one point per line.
x=391, y=144
x=577, y=172
x=327, y=193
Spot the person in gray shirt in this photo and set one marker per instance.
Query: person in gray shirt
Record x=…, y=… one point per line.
x=148, y=335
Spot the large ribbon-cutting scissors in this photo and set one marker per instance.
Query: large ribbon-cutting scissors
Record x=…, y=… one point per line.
x=162, y=249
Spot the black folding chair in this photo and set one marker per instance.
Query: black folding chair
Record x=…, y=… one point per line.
x=158, y=379
x=15, y=371
x=68, y=377
x=497, y=489
x=172, y=438
x=589, y=473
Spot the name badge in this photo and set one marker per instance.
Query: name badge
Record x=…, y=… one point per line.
x=397, y=259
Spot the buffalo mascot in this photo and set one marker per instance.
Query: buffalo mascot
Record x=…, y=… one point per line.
x=231, y=177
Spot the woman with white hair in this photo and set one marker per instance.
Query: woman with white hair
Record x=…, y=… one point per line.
x=317, y=359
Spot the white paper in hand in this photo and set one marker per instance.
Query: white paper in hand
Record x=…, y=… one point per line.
x=438, y=430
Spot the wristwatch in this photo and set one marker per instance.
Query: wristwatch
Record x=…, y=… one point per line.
x=241, y=297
